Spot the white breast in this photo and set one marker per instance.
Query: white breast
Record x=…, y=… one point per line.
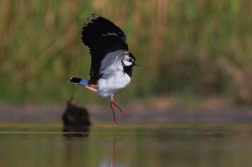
x=114, y=77
x=109, y=83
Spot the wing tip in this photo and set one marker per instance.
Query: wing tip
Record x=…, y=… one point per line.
x=95, y=15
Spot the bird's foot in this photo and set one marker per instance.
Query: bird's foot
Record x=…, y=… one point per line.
x=116, y=121
x=124, y=113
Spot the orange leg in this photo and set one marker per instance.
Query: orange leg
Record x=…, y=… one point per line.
x=112, y=107
x=124, y=113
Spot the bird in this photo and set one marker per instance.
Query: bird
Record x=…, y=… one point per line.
x=75, y=119
x=75, y=115
x=111, y=61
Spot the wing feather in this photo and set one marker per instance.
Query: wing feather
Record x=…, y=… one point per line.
x=102, y=37
x=112, y=62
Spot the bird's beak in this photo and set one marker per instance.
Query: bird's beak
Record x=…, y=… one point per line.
x=135, y=64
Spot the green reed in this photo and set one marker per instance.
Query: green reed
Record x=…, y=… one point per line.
x=186, y=48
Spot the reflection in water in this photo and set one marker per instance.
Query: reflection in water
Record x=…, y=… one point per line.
x=93, y=152
x=76, y=131
x=147, y=146
x=113, y=153
x=75, y=119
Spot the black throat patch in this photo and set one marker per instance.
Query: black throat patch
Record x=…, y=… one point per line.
x=128, y=70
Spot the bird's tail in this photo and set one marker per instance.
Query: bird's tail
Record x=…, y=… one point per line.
x=79, y=81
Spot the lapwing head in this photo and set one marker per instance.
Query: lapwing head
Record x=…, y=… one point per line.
x=129, y=60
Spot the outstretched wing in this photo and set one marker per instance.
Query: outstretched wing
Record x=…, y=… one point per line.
x=102, y=37
x=113, y=61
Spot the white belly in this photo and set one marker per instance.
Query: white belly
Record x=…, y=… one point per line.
x=108, y=84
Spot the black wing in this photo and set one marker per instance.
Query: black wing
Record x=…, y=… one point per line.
x=102, y=37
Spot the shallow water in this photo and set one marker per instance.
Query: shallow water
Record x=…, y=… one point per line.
x=129, y=145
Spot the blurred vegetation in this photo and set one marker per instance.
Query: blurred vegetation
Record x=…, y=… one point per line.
x=185, y=48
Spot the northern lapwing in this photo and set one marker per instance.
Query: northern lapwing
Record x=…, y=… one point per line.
x=111, y=60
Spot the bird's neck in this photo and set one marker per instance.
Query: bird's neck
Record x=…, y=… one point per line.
x=128, y=70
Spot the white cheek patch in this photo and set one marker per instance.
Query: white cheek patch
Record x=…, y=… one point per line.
x=127, y=63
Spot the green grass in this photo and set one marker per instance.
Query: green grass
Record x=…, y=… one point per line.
x=186, y=48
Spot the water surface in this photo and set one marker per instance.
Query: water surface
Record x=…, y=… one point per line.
x=129, y=145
